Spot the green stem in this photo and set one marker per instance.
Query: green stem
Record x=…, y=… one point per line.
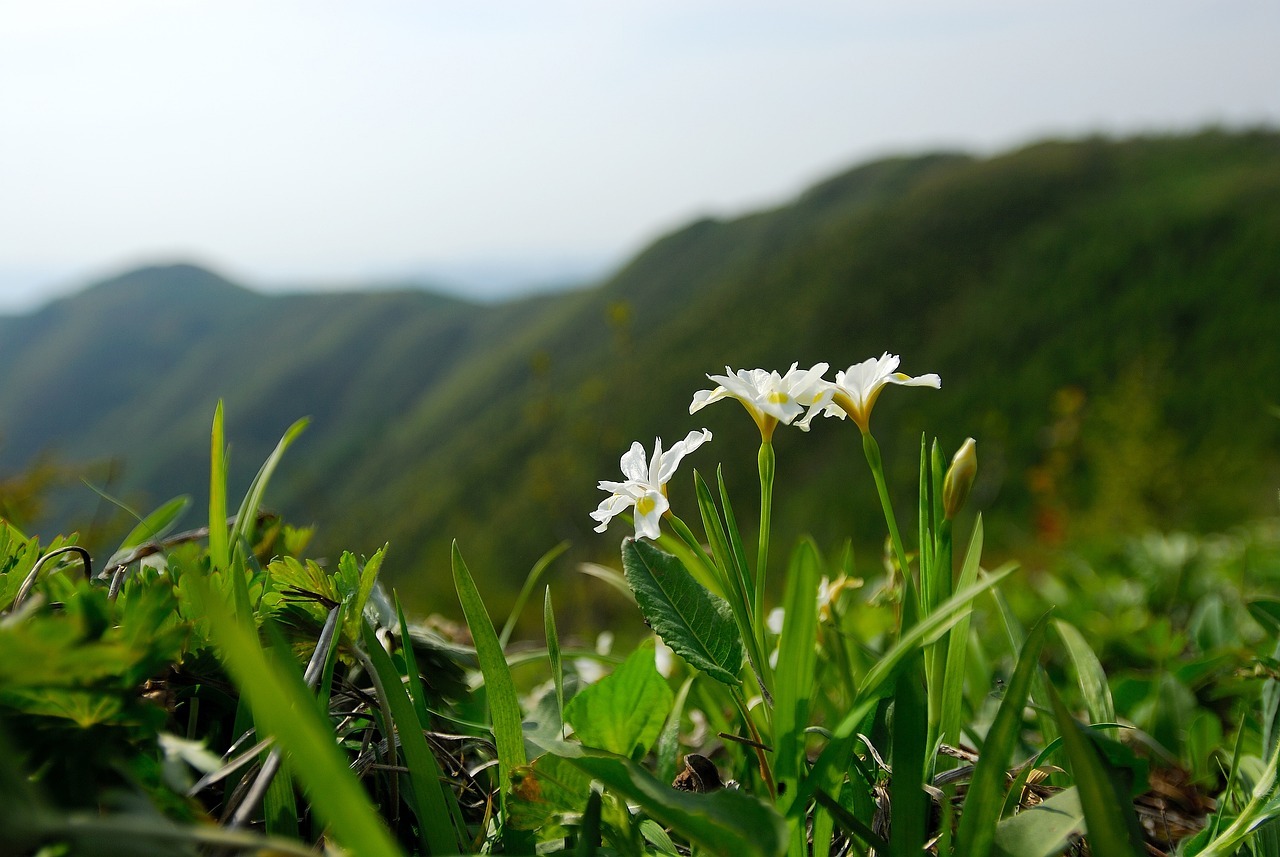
x=872, y=450
x=766, y=461
x=766, y=772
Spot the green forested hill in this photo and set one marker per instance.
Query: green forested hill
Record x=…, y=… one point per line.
x=1105, y=316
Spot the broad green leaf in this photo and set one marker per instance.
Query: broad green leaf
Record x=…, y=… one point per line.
x=548, y=787
x=624, y=711
x=727, y=822
x=1113, y=826
x=697, y=625
x=985, y=798
x=504, y=705
x=1089, y=674
x=1043, y=830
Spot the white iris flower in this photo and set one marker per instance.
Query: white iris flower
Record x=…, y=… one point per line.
x=646, y=485
x=771, y=398
x=857, y=388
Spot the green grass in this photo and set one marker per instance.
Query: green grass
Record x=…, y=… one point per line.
x=899, y=702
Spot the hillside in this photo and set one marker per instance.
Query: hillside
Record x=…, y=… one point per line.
x=1104, y=316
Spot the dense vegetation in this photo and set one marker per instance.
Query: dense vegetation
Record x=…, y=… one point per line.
x=1103, y=315
x=216, y=692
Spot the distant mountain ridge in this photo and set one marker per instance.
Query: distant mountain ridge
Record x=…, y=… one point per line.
x=1105, y=316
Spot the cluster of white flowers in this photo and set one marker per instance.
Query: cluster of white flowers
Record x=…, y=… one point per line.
x=794, y=398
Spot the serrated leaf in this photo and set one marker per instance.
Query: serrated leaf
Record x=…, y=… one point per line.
x=697, y=625
x=624, y=711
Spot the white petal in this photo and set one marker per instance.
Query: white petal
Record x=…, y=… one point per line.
x=671, y=460
x=702, y=398
x=647, y=523
x=633, y=463
x=609, y=507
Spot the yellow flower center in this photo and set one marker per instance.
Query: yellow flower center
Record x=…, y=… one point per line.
x=777, y=397
x=645, y=505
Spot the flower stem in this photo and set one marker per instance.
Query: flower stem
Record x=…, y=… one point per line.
x=766, y=462
x=872, y=450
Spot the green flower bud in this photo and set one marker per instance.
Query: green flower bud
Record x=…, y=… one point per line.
x=955, y=488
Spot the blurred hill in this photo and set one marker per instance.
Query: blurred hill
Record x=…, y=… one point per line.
x=1105, y=316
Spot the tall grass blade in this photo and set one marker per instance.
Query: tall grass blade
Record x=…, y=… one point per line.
x=283, y=707
x=797, y=663
x=553, y=655
x=739, y=585
x=958, y=647
x=924, y=631
x=1089, y=675
x=909, y=744
x=247, y=517
x=533, y=579
x=150, y=528
x=985, y=799
x=430, y=803
x=1113, y=826
x=219, y=554
x=504, y=705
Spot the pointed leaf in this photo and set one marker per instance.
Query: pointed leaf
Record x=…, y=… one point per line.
x=697, y=625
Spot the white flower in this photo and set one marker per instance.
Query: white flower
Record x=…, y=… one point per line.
x=770, y=398
x=646, y=484
x=856, y=388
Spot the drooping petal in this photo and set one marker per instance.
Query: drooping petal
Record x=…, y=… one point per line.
x=609, y=507
x=671, y=460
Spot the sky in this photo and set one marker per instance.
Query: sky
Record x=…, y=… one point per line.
x=325, y=143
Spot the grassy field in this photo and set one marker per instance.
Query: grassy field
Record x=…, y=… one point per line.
x=217, y=691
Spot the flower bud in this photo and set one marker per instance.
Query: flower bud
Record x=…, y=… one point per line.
x=955, y=488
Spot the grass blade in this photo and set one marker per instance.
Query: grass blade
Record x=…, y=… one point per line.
x=797, y=662
x=985, y=799
x=958, y=648
x=504, y=705
x=247, y=517
x=535, y=576
x=430, y=803
x=283, y=708
x=1089, y=675
x=219, y=554
x=1113, y=826
x=943, y=618
x=553, y=655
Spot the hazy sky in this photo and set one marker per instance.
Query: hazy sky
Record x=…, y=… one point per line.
x=323, y=141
